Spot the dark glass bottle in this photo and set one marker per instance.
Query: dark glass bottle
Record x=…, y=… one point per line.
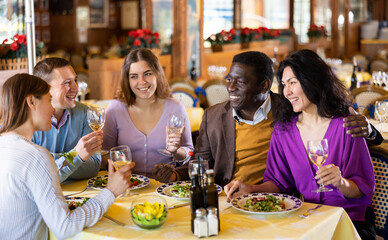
x=196, y=197
x=193, y=71
x=353, y=80
x=211, y=193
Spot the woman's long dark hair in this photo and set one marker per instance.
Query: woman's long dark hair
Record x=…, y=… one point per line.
x=319, y=84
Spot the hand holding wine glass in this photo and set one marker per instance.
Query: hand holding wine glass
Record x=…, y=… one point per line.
x=175, y=125
x=121, y=156
x=318, y=151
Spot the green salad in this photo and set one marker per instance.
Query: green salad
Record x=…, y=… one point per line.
x=182, y=191
x=103, y=182
x=265, y=204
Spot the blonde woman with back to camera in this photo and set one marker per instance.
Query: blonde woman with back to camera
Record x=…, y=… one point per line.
x=31, y=199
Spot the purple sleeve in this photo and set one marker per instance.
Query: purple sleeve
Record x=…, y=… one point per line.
x=357, y=165
x=278, y=169
x=110, y=127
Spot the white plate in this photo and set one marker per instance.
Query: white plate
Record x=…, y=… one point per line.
x=145, y=181
x=292, y=203
x=165, y=189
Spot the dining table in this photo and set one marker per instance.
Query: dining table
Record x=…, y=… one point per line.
x=326, y=222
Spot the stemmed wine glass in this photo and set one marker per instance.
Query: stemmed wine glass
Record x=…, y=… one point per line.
x=96, y=118
x=174, y=125
x=318, y=151
x=381, y=108
x=121, y=156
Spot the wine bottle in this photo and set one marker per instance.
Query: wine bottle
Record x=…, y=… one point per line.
x=353, y=80
x=196, y=197
x=211, y=193
x=193, y=71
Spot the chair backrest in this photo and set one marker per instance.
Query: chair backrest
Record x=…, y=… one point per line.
x=380, y=197
x=186, y=96
x=216, y=91
x=378, y=65
x=364, y=95
x=183, y=83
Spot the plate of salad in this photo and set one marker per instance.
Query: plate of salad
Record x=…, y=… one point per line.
x=75, y=202
x=137, y=181
x=179, y=190
x=266, y=203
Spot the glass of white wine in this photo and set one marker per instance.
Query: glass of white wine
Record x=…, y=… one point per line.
x=96, y=118
x=318, y=151
x=121, y=156
x=174, y=125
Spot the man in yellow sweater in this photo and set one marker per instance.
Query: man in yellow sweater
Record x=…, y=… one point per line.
x=234, y=135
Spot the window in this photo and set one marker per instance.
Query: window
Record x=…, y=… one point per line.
x=162, y=22
x=266, y=13
x=11, y=18
x=301, y=19
x=218, y=15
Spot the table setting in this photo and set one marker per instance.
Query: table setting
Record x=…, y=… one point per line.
x=299, y=220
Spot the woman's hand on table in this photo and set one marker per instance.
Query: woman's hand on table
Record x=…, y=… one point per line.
x=360, y=123
x=164, y=173
x=118, y=181
x=236, y=188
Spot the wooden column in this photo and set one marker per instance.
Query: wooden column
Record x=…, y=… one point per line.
x=147, y=21
x=237, y=14
x=179, y=39
x=334, y=5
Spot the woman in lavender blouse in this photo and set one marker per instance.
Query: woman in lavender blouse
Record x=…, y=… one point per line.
x=313, y=107
x=139, y=115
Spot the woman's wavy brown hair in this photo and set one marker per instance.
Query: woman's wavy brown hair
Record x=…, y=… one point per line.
x=13, y=104
x=125, y=93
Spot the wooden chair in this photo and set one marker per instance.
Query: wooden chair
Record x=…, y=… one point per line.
x=216, y=91
x=186, y=96
x=379, y=157
x=364, y=95
x=183, y=83
x=379, y=65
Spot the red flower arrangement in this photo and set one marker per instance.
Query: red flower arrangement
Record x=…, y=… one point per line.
x=143, y=38
x=222, y=37
x=18, y=47
x=315, y=31
x=258, y=34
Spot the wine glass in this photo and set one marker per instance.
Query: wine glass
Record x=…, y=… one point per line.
x=121, y=156
x=96, y=118
x=174, y=125
x=318, y=151
x=194, y=166
x=381, y=109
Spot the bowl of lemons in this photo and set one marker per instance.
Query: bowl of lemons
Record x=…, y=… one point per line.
x=149, y=211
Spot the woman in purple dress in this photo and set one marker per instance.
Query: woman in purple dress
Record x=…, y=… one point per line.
x=313, y=106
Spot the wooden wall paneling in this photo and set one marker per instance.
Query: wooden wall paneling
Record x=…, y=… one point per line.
x=179, y=39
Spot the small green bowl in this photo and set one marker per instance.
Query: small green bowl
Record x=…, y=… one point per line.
x=146, y=211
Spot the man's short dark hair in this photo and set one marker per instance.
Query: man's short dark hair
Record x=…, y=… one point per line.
x=44, y=68
x=262, y=64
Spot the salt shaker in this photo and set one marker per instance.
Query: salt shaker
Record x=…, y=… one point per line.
x=212, y=221
x=200, y=223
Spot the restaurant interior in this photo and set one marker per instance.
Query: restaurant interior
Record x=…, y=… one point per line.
x=195, y=42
